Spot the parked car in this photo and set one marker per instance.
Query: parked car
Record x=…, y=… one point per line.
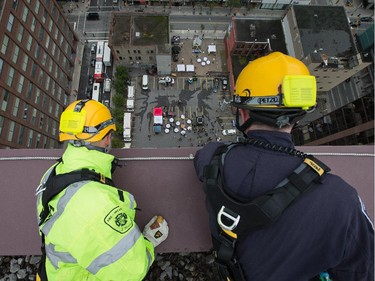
x=93, y=48
x=229, y=132
x=216, y=85
x=224, y=83
x=166, y=80
x=92, y=62
x=367, y=19
x=91, y=80
x=88, y=92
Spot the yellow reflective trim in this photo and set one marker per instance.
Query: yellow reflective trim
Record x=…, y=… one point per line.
x=299, y=91
x=72, y=122
x=315, y=166
x=230, y=233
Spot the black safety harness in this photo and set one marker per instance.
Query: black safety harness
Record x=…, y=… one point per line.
x=236, y=218
x=58, y=183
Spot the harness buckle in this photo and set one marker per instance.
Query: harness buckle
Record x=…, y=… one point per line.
x=229, y=215
x=102, y=178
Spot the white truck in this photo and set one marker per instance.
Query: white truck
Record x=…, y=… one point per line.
x=127, y=127
x=107, y=85
x=130, y=105
x=107, y=60
x=130, y=99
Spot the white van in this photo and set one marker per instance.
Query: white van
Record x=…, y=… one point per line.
x=130, y=92
x=145, y=82
x=107, y=85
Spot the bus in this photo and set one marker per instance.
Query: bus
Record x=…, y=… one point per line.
x=99, y=51
x=98, y=73
x=96, y=91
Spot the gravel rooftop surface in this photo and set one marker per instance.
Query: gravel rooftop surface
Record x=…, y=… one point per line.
x=170, y=266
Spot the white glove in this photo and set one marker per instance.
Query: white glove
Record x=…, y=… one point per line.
x=156, y=231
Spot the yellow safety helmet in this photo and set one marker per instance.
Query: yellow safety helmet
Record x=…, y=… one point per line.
x=86, y=120
x=275, y=81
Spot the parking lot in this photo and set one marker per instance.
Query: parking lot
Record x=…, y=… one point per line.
x=182, y=104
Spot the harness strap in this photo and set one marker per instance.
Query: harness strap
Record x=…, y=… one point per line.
x=57, y=183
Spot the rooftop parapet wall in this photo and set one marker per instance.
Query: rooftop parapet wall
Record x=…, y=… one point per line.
x=163, y=182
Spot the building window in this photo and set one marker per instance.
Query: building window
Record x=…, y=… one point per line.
x=20, y=136
x=15, y=54
x=30, y=90
x=25, y=62
x=50, y=24
x=20, y=33
x=16, y=106
x=1, y=65
x=11, y=131
x=25, y=13
x=47, y=41
x=48, y=81
x=30, y=140
x=4, y=46
x=41, y=76
x=37, y=6
x=4, y=103
x=33, y=24
x=44, y=58
x=37, y=96
x=10, y=23
x=33, y=69
x=1, y=124
x=41, y=34
x=33, y=117
x=41, y=121
x=10, y=76
x=25, y=110
x=38, y=137
x=15, y=4
x=44, y=15
x=37, y=51
x=20, y=83
x=29, y=43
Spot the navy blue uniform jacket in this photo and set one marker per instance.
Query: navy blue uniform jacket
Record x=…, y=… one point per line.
x=325, y=229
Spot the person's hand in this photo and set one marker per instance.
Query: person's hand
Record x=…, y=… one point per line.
x=156, y=231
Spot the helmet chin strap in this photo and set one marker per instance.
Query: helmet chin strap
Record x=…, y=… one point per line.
x=268, y=118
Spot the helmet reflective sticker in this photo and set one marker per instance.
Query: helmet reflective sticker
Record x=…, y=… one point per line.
x=72, y=122
x=299, y=91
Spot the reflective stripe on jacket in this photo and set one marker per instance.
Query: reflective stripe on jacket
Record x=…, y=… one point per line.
x=91, y=234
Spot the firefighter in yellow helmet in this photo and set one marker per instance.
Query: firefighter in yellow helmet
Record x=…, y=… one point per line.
x=87, y=224
x=275, y=213
x=277, y=89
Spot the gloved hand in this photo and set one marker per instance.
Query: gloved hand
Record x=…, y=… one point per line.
x=156, y=231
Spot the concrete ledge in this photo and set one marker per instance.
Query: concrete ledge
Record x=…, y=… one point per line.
x=161, y=182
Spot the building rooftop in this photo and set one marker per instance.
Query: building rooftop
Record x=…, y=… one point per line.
x=140, y=30
x=250, y=30
x=325, y=30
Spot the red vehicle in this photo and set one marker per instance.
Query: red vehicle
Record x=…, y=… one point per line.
x=98, y=73
x=158, y=119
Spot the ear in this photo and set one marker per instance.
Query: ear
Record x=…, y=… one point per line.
x=107, y=140
x=245, y=114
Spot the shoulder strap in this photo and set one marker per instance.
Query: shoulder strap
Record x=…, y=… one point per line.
x=57, y=183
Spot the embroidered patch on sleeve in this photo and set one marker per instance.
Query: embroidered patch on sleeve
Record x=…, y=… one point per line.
x=118, y=220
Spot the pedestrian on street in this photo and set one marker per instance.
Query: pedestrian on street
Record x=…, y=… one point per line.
x=276, y=213
x=87, y=224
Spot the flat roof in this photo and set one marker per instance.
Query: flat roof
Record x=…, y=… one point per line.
x=325, y=29
x=140, y=29
x=249, y=30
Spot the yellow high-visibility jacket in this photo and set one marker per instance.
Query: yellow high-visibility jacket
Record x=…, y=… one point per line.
x=91, y=233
